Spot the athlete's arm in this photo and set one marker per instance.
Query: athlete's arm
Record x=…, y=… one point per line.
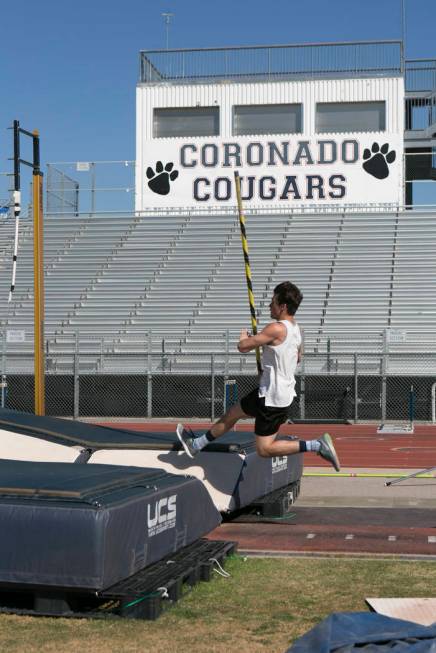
x=272, y=334
x=300, y=353
x=301, y=347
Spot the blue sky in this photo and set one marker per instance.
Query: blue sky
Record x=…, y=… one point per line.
x=70, y=69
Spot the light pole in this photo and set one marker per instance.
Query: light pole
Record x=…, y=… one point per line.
x=167, y=18
x=403, y=25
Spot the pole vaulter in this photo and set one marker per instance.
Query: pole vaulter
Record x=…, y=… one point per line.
x=247, y=266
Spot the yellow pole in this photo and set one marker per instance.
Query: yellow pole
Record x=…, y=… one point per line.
x=38, y=282
x=247, y=266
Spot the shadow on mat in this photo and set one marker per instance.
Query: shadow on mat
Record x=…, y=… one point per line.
x=222, y=476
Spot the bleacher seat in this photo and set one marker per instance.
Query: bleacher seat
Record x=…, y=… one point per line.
x=117, y=278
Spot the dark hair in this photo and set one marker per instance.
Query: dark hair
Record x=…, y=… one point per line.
x=288, y=293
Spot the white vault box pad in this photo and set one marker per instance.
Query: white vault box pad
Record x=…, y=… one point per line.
x=16, y=446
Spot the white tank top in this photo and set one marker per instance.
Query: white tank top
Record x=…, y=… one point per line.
x=277, y=383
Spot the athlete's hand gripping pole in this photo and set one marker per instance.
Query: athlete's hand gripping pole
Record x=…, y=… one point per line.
x=247, y=266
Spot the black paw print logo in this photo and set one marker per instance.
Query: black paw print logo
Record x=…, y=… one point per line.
x=160, y=179
x=377, y=159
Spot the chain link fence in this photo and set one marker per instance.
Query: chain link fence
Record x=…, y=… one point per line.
x=95, y=382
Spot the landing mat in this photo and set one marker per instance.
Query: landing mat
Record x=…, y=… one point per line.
x=90, y=526
x=92, y=436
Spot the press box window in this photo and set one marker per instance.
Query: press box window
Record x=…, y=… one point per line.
x=350, y=117
x=267, y=119
x=195, y=121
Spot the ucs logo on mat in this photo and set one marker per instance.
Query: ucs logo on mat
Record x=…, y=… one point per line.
x=279, y=464
x=161, y=516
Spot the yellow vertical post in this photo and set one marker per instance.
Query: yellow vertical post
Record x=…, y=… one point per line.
x=38, y=281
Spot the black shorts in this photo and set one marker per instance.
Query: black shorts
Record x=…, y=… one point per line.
x=268, y=418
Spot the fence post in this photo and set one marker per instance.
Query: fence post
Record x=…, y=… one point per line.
x=76, y=377
x=303, y=387
x=149, y=378
x=3, y=374
x=383, y=376
x=356, y=390
x=92, y=188
x=101, y=354
x=212, y=387
x=226, y=359
x=163, y=362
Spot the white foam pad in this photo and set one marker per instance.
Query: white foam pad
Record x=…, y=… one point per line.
x=15, y=446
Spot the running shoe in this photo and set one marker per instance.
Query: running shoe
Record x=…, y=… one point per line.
x=327, y=451
x=186, y=437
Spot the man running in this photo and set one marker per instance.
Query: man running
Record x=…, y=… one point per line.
x=269, y=403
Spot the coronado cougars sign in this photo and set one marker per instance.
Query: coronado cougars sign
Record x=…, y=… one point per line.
x=275, y=172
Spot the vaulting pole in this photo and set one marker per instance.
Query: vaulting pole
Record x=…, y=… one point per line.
x=247, y=266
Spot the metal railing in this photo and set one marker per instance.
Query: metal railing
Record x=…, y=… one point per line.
x=273, y=62
x=336, y=385
x=421, y=114
x=219, y=341
x=88, y=187
x=109, y=186
x=420, y=75
x=62, y=192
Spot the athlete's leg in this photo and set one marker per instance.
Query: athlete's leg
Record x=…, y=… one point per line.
x=192, y=445
x=267, y=446
x=227, y=421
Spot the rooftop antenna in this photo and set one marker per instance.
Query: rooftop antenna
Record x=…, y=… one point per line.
x=403, y=25
x=167, y=18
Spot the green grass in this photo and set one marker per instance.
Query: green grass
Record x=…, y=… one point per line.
x=263, y=606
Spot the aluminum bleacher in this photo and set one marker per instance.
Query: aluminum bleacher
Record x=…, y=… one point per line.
x=119, y=278
x=360, y=282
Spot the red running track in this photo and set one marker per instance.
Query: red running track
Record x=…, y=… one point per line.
x=357, y=445
x=334, y=539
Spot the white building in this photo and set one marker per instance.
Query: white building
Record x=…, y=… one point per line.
x=304, y=125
